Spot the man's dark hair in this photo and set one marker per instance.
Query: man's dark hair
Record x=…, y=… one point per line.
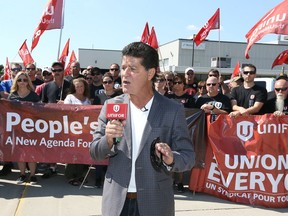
x=95, y=71
x=57, y=64
x=149, y=55
x=251, y=66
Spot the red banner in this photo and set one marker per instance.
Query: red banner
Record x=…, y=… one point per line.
x=72, y=59
x=64, y=53
x=246, y=161
x=281, y=59
x=6, y=70
x=47, y=132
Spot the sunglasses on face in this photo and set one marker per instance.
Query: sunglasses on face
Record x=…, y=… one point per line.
x=114, y=69
x=177, y=83
x=107, y=82
x=22, y=80
x=29, y=69
x=214, y=75
x=57, y=70
x=281, y=89
x=16, y=69
x=89, y=78
x=169, y=80
x=249, y=72
x=200, y=87
x=211, y=84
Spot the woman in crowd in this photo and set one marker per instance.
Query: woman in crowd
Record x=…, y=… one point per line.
x=78, y=94
x=23, y=90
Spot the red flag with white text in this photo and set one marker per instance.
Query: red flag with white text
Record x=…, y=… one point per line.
x=236, y=70
x=51, y=19
x=213, y=23
x=145, y=34
x=72, y=59
x=64, y=53
x=281, y=59
x=25, y=54
x=273, y=22
x=7, y=70
x=152, y=40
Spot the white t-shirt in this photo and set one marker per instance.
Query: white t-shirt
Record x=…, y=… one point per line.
x=71, y=99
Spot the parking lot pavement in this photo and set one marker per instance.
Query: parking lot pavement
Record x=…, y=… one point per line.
x=55, y=197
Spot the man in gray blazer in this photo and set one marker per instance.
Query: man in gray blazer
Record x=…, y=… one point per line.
x=132, y=185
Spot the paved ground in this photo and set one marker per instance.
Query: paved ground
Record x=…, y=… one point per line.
x=55, y=197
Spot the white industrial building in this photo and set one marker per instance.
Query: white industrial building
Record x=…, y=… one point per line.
x=179, y=54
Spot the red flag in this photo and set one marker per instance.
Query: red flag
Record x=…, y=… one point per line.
x=281, y=59
x=213, y=23
x=152, y=40
x=7, y=70
x=145, y=34
x=51, y=19
x=64, y=53
x=72, y=59
x=25, y=54
x=275, y=21
x=237, y=70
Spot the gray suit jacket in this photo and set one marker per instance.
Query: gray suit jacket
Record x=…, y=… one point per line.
x=155, y=193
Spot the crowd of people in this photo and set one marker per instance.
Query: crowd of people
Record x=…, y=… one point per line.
x=144, y=84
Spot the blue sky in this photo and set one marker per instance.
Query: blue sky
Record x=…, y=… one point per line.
x=112, y=24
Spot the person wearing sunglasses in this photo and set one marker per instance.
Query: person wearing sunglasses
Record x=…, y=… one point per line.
x=31, y=71
x=278, y=104
x=115, y=71
x=223, y=88
x=201, y=89
x=5, y=85
x=75, y=70
x=47, y=77
x=159, y=84
x=190, y=84
x=249, y=98
x=108, y=92
x=169, y=77
x=132, y=183
x=96, y=87
x=214, y=102
x=23, y=90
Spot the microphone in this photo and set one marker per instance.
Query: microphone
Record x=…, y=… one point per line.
x=144, y=109
x=117, y=111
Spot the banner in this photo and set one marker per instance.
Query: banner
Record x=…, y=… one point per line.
x=145, y=34
x=6, y=70
x=25, y=54
x=64, y=53
x=246, y=161
x=281, y=59
x=37, y=132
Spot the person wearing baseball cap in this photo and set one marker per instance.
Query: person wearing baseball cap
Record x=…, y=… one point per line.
x=47, y=77
x=190, y=84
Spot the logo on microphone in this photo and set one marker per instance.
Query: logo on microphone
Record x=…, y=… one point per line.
x=245, y=130
x=116, y=108
x=116, y=111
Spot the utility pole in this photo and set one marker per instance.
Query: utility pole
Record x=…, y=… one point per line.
x=193, y=46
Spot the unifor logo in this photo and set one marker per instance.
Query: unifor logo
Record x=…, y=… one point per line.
x=49, y=10
x=245, y=130
x=116, y=108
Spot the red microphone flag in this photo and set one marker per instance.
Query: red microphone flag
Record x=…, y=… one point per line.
x=152, y=40
x=236, y=70
x=213, y=23
x=116, y=111
x=7, y=70
x=25, y=54
x=275, y=22
x=64, y=53
x=145, y=34
x=72, y=59
x=51, y=19
x=281, y=59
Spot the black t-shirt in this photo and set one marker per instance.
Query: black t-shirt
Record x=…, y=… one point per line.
x=95, y=90
x=270, y=106
x=37, y=82
x=102, y=97
x=191, y=89
x=247, y=97
x=187, y=100
x=32, y=97
x=51, y=93
x=220, y=101
x=69, y=78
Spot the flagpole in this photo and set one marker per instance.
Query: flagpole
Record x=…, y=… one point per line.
x=193, y=50
x=62, y=24
x=219, y=49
